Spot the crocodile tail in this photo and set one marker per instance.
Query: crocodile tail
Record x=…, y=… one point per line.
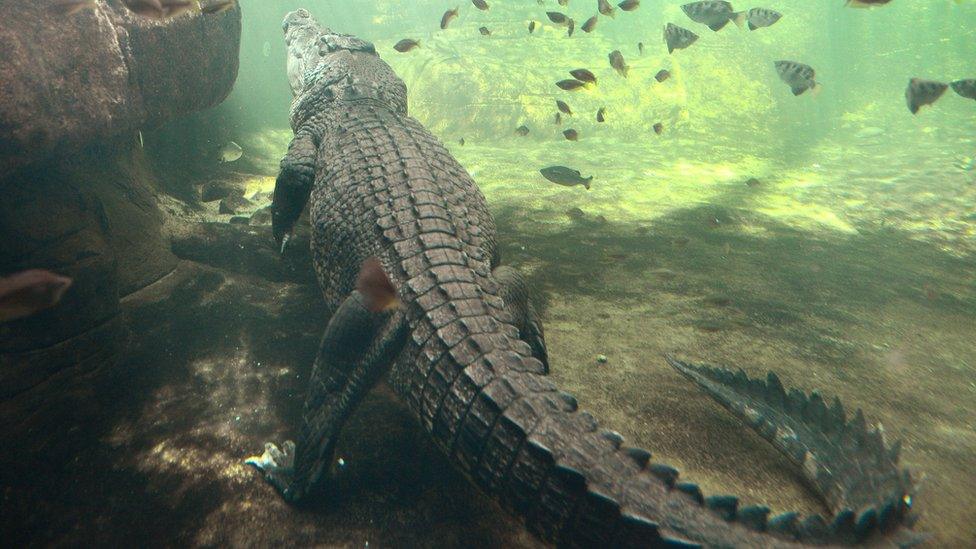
x=847, y=462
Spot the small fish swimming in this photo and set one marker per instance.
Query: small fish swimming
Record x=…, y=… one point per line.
x=658, y=128
x=405, y=45
x=570, y=27
x=923, y=92
x=571, y=134
x=231, y=152
x=715, y=14
x=865, y=3
x=570, y=84
x=531, y=27
x=583, y=75
x=558, y=119
x=800, y=77
x=558, y=18
x=640, y=48
x=762, y=17
x=567, y=177
x=522, y=131
x=461, y=141
x=601, y=115
x=563, y=107
x=965, y=88
x=449, y=15
x=618, y=63
x=605, y=9
x=662, y=75
x=678, y=38
x=480, y=4
x=590, y=24
x=29, y=292
x=484, y=31
x=629, y=5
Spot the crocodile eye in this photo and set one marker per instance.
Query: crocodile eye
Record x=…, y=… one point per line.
x=284, y=26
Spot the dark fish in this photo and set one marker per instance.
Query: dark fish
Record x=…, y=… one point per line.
x=461, y=141
x=629, y=5
x=583, y=75
x=965, y=88
x=753, y=182
x=601, y=115
x=662, y=75
x=571, y=134
x=484, y=31
x=558, y=120
x=678, y=38
x=219, y=6
x=618, y=63
x=406, y=45
x=640, y=48
x=575, y=213
x=375, y=287
x=570, y=84
x=923, y=92
x=865, y=3
x=71, y=7
x=448, y=16
x=800, y=77
x=762, y=17
x=658, y=128
x=480, y=4
x=558, y=18
x=531, y=27
x=522, y=131
x=590, y=24
x=713, y=13
x=29, y=292
x=563, y=107
x=571, y=26
x=604, y=8
x=567, y=177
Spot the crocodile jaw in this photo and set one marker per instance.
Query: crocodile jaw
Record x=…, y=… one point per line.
x=302, y=35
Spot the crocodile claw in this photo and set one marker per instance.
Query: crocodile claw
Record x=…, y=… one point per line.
x=277, y=465
x=284, y=242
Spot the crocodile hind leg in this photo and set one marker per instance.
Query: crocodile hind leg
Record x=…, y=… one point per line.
x=515, y=293
x=296, y=176
x=357, y=348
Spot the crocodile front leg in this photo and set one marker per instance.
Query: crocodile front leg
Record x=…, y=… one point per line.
x=357, y=348
x=294, y=184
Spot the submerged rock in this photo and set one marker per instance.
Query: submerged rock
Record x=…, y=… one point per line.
x=262, y=216
x=234, y=203
x=213, y=191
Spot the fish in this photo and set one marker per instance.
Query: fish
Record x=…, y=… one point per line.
x=629, y=5
x=571, y=134
x=29, y=292
x=923, y=92
x=583, y=75
x=570, y=84
x=531, y=27
x=640, y=48
x=604, y=8
x=965, y=88
x=522, y=131
x=71, y=7
x=405, y=45
x=481, y=5
x=865, y=3
x=484, y=31
x=461, y=141
x=658, y=128
x=449, y=15
x=678, y=38
x=590, y=24
x=558, y=18
x=219, y=6
x=800, y=77
x=753, y=182
x=715, y=14
x=618, y=63
x=231, y=152
x=575, y=213
x=567, y=177
x=375, y=287
x=601, y=115
x=563, y=107
x=662, y=75
x=570, y=27
x=762, y=17
x=559, y=119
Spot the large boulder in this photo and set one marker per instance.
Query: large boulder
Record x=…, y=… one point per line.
x=68, y=80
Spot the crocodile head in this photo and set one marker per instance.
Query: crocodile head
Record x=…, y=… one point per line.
x=310, y=44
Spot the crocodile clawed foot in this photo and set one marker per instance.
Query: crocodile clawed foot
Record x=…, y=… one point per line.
x=277, y=465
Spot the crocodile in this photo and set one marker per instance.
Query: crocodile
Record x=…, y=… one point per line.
x=405, y=254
